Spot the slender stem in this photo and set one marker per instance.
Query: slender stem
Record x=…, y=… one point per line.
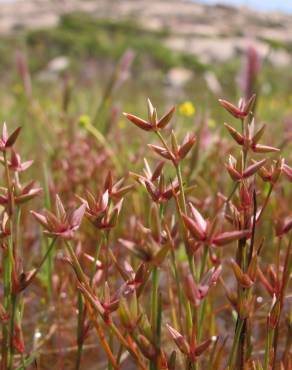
x=97, y=251
x=253, y=227
x=181, y=187
x=12, y=325
x=203, y=261
x=269, y=341
x=154, y=308
x=87, y=293
x=49, y=262
x=266, y=202
x=80, y=329
x=8, y=266
x=203, y=307
x=182, y=199
x=164, y=143
x=45, y=257
x=178, y=285
x=235, y=343
x=101, y=336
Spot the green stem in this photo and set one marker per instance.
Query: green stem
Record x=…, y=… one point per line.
x=12, y=325
x=181, y=188
x=96, y=255
x=178, y=286
x=49, y=269
x=266, y=202
x=80, y=328
x=154, y=308
x=269, y=341
x=235, y=343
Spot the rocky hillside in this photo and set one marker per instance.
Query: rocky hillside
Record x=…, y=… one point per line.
x=212, y=33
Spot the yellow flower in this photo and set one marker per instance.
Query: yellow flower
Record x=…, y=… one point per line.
x=17, y=89
x=211, y=123
x=187, y=109
x=84, y=120
x=121, y=124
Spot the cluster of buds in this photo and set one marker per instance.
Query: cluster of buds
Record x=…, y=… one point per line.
x=270, y=280
x=272, y=173
x=154, y=183
x=245, y=279
x=15, y=192
x=79, y=160
x=243, y=109
x=197, y=292
x=238, y=173
x=240, y=212
x=207, y=233
x=99, y=210
x=61, y=224
x=243, y=305
x=177, y=152
x=15, y=163
x=188, y=348
x=249, y=140
x=153, y=123
x=21, y=193
x=154, y=242
x=6, y=142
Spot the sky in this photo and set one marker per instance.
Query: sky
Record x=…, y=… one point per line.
x=284, y=5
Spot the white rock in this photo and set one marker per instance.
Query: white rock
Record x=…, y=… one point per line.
x=178, y=76
x=58, y=64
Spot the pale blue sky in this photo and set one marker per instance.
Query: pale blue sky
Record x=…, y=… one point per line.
x=284, y=5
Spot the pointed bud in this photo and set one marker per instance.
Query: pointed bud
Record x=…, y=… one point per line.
x=258, y=148
x=161, y=151
x=252, y=169
x=157, y=171
x=232, y=109
x=235, y=134
x=146, y=347
x=186, y=146
x=194, y=228
x=274, y=315
x=249, y=104
x=164, y=121
x=234, y=174
x=174, y=144
x=278, y=170
x=257, y=136
x=179, y=340
x=12, y=138
x=201, y=348
x=230, y=236
x=139, y=122
x=150, y=107
x=252, y=268
x=243, y=279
